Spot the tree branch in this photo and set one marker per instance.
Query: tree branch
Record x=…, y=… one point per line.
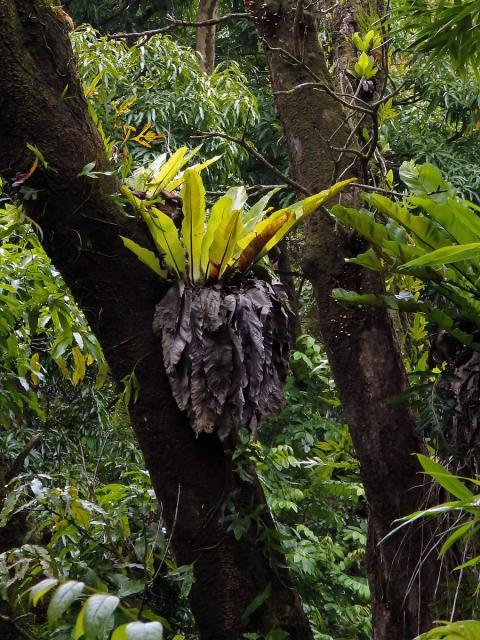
x=174, y=24
x=248, y=146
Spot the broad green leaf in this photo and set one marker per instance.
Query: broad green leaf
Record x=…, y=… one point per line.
x=224, y=243
x=144, y=631
x=425, y=180
x=368, y=259
x=448, y=481
x=146, y=256
x=63, y=597
x=458, y=220
x=165, y=237
x=429, y=235
x=220, y=210
x=446, y=255
x=120, y=633
x=41, y=589
x=363, y=223
x=98, y=612
x=193, y=225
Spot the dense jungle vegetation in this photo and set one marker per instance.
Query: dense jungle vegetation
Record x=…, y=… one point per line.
x=239, y=320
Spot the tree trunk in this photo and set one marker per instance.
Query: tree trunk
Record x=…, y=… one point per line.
x=205, y=45
x=42, y=104
x=360, y=343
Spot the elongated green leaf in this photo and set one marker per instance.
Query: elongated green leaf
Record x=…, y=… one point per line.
x=136, y=203
x=263, y=234
x=256, y=603
x=446, y=255
x=98, y=612
x=174, y=184
x=165, y=236
x=63, y=597
x=256, y=212
x=41, y=589
x=224, y=244
x=238, y=196
x=448, y=481
x=303, y=209
x=457, y=535
x=220, y=210
x=169, y=170
x=397, y=303
x=470, y=563
x=79, y=629
x=146, y=256
x=193, y=226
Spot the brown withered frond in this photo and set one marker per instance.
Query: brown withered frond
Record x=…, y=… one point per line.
x=225, y=350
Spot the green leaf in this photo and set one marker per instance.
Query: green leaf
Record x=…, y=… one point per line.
x=363, y=223
x=444, y=478
x=169, y=170
x=446, y=255
x=224, y=243
x=455, y=536
x=368, y=259
x=165, y=236
x=144, y=631
x=365, y=66
x=302, y=210
x=193, y=225
x=79, y=629
x=256, y=603
x=120, y=633
x=424, y=180
x=220, y=211
x=255, y=213
x=397, y=303
x=41, y=589
x=428, y=234
x=63, y=597
x=146, y=256
x=197, y=167
x=98, y=612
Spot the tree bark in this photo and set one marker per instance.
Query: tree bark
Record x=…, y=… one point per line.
x=42, y=104
x=206, y=36
x=360, y=343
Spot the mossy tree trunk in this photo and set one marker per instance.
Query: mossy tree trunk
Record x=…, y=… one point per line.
x=42, y=103
x=361, y=344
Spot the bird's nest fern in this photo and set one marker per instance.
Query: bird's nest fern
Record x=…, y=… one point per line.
x=224, y=331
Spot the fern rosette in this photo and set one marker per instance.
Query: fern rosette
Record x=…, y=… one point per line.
x=224, y=331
